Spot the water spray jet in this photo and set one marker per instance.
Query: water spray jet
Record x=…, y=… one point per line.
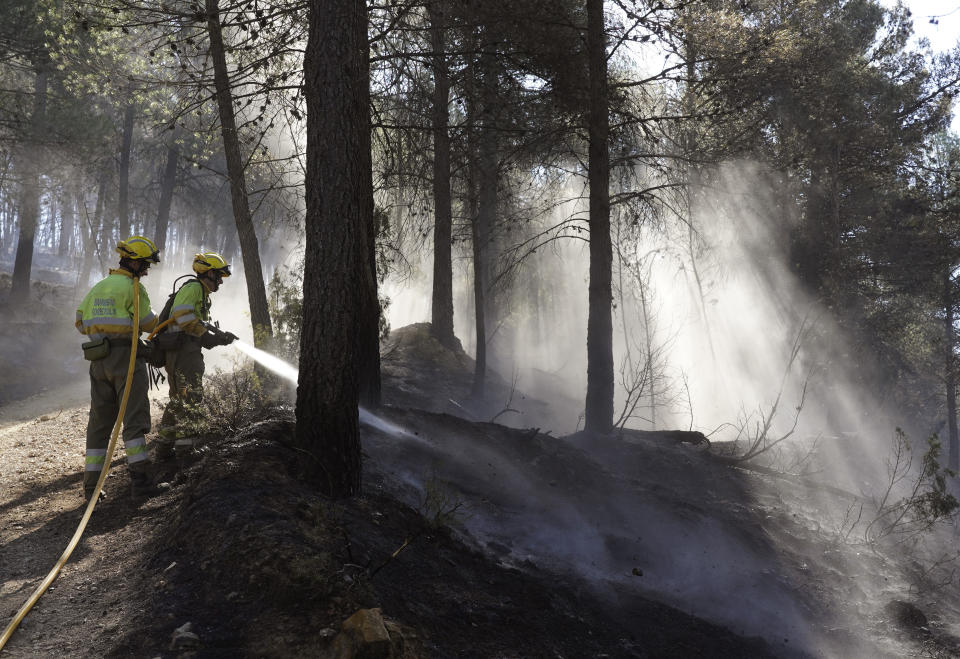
x=268, y=361
x=291, y=373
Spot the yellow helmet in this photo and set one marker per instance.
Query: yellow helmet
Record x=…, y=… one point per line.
x=138, y=248
x=210, y=261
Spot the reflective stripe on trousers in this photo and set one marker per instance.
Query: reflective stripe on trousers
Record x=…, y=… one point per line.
x=95, y=459
x=136, y=449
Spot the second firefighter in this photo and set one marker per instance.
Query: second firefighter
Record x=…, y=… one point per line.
x=183, y=341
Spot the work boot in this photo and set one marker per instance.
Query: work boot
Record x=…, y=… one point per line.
x=163, y=449
x=187, y=451
x=142, y=487
x=89, y=493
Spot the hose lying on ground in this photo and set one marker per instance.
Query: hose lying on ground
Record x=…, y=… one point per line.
x=42, y=588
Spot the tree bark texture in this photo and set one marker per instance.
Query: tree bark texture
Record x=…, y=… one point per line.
x=167, y=185
x=123, y=195
x=29, y=193
x=368, y=349
x=365, y=276
x=249, y=247
x=442, y=309
x=337, y=280
x=598, y=413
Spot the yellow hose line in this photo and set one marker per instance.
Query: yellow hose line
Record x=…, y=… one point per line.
x=159, y=327
x=42, y=588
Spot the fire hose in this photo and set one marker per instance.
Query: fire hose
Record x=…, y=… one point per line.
x=42, y=588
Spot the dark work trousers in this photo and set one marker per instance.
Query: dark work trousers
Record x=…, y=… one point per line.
x=185, y=370
x=107, y=383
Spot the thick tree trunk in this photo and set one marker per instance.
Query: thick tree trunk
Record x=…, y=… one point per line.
x=339, y=233
x=249, y=247
x=598, y=414
x=29, y=193
x=123, y=194
x=442, y=309
x=167, y=185
x=950, y=371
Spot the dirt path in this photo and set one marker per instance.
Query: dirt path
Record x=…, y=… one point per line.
x=41, y=449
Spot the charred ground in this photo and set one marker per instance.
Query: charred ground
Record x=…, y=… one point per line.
x=245, y=560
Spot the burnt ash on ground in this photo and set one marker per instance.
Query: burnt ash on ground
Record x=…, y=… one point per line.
x=242, y=559
x=261, y=566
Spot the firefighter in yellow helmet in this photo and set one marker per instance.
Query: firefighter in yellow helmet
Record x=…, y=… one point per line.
x=105, y=317
x=183, y=341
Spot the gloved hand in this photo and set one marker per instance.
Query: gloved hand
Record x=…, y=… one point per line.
x=216, y=337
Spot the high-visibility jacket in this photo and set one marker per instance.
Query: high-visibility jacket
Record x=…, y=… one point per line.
x=191, y=309
x=107, y=310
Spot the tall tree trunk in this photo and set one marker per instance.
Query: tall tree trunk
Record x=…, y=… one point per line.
x=105, y=229
x=256, y=290
x=29, y=192
x=49, y=238
x=167, y=185
x=339, y=231
x=442, y=309
x=89, y=227
x=107, y=234
x=5, y=218
x=67, y=223
x=475, y=105
x=483, y=222
x=598, y=414
x=479, y=296
x=950, y=371
x=123, y=194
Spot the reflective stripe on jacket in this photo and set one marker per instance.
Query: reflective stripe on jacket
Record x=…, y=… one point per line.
x=191, y=308
x=107, y=310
